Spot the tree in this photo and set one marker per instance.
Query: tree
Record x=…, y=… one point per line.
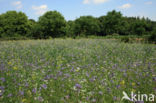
x=32, y=25
x=102, y=25
x=1, y=25
x=111, y=23
x=52, y=24
x=152, y=37
x=86, y=25
x=70, y=29
x=13, y=24
x=139, y=27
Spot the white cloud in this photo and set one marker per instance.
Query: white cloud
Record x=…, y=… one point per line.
x=86, y=1
x=99, y=1
x=125, y=6
x=148, y=3
x=94, y=1
x=40, y=10
x=17, y=4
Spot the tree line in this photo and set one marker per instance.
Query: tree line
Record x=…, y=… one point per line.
x=53, y=24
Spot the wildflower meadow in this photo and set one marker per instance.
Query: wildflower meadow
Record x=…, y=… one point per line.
x=75, y=71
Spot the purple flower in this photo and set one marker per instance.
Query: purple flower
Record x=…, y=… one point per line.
x=78, y=86
x=114, y=98
x=44, y=86
x=67, y=75
x=47, y=77
x=26, y=84
x=19, y=84
x=125, y=74
x=10, y=95
x=2, y=87
x=154, y=78
x=21, y=93
x=87, y=98
x=72, y=70
x=100, y=92
x=93, y=79
x=2, y=79
x=138, y=83
x=1, y=93
x=87, y=74
x=59, y=73
x=118, y=86
x=62, y=68
x=34, y=90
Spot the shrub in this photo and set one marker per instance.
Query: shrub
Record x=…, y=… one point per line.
x=152, y=38
x=125, y=39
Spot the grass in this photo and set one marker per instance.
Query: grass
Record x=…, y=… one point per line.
x=75, y=71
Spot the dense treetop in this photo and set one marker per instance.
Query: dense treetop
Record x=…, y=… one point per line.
x=13, y=24
x=53, y=24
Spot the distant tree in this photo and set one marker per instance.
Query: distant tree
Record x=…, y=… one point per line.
x=124, y=27
x=86, y=25
x=111, y=23
x=37, y=32
x=130, y=22
x=1, y=25
x=152, y=37
x=102, y=25
x=70, y=29
x=13, y=24
x=32, y=25
x=52, y=24
x=139, y=27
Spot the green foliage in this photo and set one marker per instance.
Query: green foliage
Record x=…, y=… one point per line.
x=36, y=31
x=139, y=27
x=70, y=29
x=152, y=38
x=13, y=24
x=32, y=24
x=53, y=24
x=86, y=25
x=111, y=23
x=125, y=39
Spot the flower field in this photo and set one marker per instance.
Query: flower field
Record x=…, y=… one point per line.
x=75, y=71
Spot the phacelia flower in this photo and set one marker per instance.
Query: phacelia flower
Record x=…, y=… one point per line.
x=78, y=86
x=21, y=93
x=34, y=90
x=2, y=79
x=44, y=86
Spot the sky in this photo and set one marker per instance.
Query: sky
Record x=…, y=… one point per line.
x=72, y=9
